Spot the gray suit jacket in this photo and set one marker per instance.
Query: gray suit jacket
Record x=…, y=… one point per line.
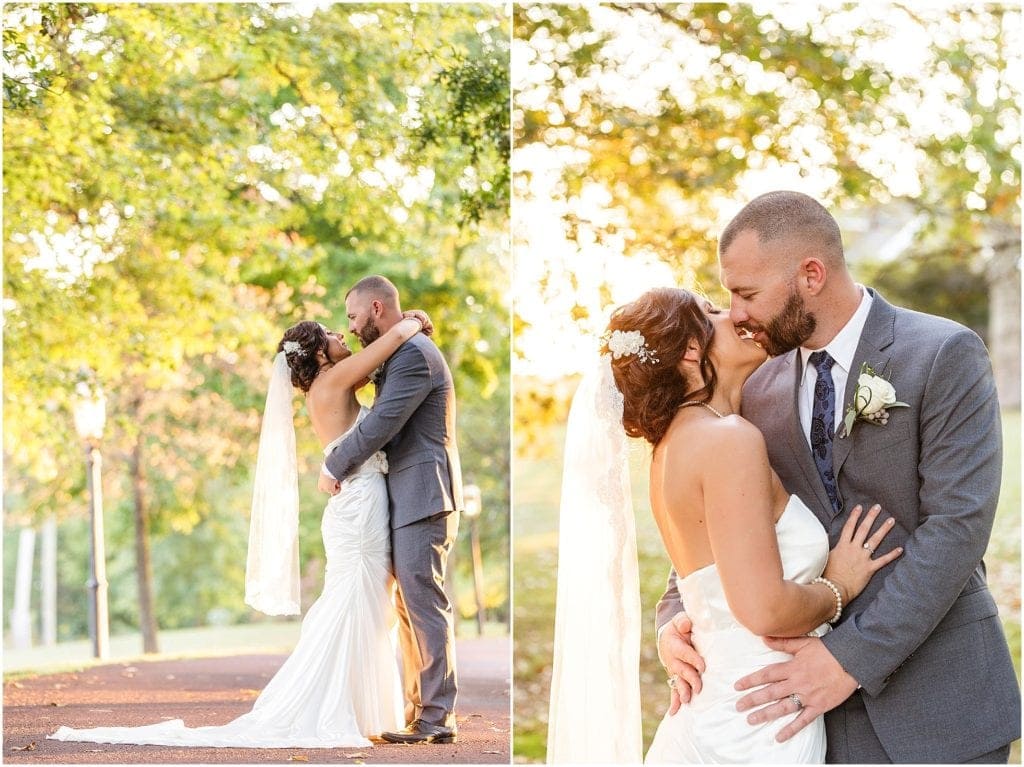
x=413, y=421
x=923, y=639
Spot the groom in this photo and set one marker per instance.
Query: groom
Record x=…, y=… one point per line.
x=413, y=421
x=917, y=669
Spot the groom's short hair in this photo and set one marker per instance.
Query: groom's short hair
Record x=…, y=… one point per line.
x=782, y=215
x=378, y=287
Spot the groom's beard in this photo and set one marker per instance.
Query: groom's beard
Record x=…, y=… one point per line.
x=790, y=327
x=369, y=333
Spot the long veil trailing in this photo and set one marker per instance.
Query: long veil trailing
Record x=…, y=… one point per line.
x=594, y=715
x=272, y=564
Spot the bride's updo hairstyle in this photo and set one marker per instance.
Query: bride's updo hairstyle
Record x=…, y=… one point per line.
x=302, y=362
x=652, y=386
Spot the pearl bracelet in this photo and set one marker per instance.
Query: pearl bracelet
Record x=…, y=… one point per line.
x=839, y=597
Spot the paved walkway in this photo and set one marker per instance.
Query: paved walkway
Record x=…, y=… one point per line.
x=208, y=691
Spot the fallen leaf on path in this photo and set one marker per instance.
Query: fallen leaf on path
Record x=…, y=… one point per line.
x=297, y=758
x=30, y=747
x=55, y=704
x=358, y=755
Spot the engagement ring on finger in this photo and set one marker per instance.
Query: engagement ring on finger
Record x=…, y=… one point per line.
x=672, y=681
x=796, y=701
x=870, y=550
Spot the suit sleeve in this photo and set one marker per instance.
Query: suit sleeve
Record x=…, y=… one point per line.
x=669, y=605
x=959, y=470
x=406, y=386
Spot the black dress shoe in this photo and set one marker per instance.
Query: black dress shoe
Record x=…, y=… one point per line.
x=419, y=731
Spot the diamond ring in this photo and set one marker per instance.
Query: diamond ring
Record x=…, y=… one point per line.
x=796, y=701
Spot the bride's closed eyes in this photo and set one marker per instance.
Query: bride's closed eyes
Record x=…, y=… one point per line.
x=710, y=308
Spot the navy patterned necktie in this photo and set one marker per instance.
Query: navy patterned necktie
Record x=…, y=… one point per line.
x=823, y=423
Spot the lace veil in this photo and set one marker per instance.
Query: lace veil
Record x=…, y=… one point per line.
x=594, y=715
x=272, y=565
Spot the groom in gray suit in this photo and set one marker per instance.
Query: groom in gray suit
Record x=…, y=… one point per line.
x=413, y=422
x=917, y=668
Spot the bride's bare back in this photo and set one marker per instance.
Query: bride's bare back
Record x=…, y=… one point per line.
x=332, y=412
x=688, y=458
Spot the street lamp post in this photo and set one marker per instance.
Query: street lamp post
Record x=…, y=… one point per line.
x=90, y=418
x=472, y=509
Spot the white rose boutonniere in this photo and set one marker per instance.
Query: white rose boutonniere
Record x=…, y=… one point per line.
x=872, y=399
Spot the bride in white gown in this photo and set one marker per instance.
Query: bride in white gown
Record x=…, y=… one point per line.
x=340, y=685
x=756, y=559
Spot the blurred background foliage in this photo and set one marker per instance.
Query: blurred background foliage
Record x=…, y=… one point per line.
x=640, y=129
x=181, y=184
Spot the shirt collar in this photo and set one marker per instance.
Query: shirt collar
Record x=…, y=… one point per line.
x=843, y=347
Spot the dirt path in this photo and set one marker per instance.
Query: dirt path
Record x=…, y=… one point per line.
x=209, y=691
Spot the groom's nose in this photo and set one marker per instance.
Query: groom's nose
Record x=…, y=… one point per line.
x=737, y=313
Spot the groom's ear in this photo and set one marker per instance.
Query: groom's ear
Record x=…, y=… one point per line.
x=812, y=274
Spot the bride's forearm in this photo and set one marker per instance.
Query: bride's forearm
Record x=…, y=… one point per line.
x=792, y=609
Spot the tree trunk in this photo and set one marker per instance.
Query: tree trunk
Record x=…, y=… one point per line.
x=1003, y=274
x=48, y=578
x=143, y=568
x=21, y=612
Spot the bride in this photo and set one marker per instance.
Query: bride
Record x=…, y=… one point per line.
x=340, y=685
x=756, y=560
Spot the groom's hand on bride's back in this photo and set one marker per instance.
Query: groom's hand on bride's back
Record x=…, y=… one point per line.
x=328, y=484
x=681, y=659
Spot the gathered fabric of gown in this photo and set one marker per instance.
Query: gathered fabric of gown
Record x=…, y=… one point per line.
x=709, y=729
x=341, y=682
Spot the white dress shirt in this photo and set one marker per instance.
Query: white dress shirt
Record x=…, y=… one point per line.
x=842, y=349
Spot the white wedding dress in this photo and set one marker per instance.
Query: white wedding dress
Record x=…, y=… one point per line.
x=709, y=729
x=341, y=683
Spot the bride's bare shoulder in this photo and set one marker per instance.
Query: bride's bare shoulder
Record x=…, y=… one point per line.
x=732, y=440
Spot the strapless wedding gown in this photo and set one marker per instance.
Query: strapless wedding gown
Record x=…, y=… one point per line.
x=709, y=729
x=341, y=683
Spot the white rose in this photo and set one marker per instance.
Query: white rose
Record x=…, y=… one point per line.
x=873, y=394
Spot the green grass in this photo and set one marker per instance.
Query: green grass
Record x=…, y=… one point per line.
x=537, y=487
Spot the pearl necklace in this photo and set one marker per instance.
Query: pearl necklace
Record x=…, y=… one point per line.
x=702, y=404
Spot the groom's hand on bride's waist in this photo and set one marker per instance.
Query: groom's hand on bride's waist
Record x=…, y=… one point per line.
x=682, y=662
x=812, y=683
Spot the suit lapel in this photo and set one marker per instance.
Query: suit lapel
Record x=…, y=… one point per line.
x=795, y=435
x=877, y=336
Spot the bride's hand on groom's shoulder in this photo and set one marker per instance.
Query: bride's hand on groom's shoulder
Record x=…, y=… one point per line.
x=424, y=319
